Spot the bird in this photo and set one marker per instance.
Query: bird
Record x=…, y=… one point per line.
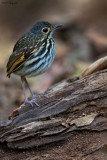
x=32, y=55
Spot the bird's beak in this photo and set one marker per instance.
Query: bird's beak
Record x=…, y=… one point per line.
x=57, y=26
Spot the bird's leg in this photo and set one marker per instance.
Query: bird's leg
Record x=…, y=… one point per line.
x=26, y=100
x=23, y=85
x=32, y=94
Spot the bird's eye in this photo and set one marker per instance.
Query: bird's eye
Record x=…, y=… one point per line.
x=45, y=30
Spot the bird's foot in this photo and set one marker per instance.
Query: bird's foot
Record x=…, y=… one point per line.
x=31, y=102
x=34, y=96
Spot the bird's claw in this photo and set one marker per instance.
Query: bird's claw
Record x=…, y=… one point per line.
x=31, y=102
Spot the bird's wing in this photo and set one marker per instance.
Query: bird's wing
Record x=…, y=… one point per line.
x=25, y=47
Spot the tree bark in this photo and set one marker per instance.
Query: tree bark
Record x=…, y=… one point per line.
x=73, y=105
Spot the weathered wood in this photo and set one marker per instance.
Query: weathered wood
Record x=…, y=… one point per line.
x=98, y=65
x=72, y=105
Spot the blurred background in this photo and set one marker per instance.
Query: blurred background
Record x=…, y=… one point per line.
x=82, y=40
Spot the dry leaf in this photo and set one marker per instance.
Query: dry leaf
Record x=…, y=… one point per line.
x=83, y=121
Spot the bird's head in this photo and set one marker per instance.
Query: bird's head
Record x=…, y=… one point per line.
x=44, y=29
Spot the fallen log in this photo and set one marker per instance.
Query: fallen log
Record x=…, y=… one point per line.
x=73, y=105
